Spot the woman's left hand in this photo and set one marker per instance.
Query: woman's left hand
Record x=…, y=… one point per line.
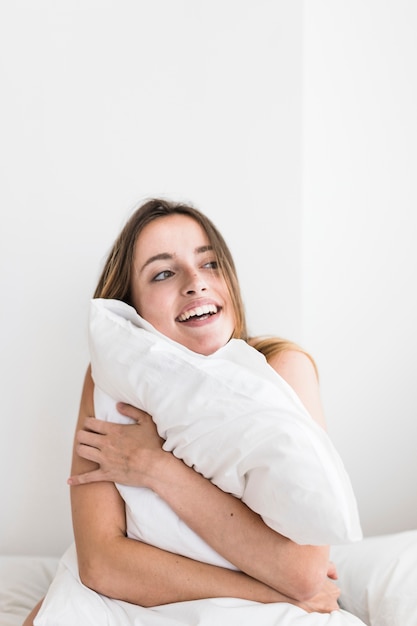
x=123, y=452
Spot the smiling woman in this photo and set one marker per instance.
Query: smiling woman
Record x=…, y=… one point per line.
x=171, y=269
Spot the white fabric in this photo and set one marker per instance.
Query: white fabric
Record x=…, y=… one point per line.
x=24, y=580
x=378, y=578
x=69, y=602
x=232, y=418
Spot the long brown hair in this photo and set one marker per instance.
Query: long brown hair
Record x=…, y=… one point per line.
x=116, y=277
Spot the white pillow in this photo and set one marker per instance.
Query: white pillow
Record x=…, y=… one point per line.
x=378, y=578
x=232, y=418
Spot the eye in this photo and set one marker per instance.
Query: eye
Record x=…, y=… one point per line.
x=211, y=265
x=163, y=275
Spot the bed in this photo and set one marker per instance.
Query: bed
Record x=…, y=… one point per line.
x=378, y=578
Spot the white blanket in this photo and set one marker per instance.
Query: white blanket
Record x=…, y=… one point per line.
x=232, y=418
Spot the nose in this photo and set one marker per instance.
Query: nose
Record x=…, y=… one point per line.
x=194, y=283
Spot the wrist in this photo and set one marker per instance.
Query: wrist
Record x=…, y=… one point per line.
x=163, y=470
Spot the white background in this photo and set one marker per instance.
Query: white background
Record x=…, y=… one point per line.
x=292, y=125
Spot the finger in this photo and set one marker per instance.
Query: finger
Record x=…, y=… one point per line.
x=88, y=438
x=131, y=411
x=96, y=426
x=88, y=452
x=101, y=427
x=95, y=476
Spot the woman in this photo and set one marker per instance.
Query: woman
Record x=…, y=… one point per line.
x=171, y=263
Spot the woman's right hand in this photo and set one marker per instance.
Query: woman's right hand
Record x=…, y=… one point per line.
x=124, y=453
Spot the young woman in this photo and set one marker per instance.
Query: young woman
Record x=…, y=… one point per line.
x=172, y=265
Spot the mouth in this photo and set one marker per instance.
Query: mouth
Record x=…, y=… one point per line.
x=199, y=313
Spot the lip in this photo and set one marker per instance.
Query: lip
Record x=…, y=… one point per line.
x=198, y=303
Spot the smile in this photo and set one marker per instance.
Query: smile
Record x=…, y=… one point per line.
x=199, y=311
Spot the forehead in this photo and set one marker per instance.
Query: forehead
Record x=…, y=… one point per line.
x=170, y=234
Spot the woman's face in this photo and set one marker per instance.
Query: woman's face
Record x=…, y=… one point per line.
x=177, y=287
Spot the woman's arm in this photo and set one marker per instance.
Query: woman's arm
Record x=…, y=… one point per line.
x=227, y=524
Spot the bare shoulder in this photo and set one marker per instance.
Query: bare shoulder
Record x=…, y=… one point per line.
x=286, y=357
x=299, y=371
x=293, y=363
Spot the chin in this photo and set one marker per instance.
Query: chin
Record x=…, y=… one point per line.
x=208, y=348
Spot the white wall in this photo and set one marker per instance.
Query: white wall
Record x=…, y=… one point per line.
x=359, y=252
x=295, y=131
x=104, y=104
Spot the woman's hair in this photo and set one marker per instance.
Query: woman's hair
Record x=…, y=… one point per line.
x=116, y=278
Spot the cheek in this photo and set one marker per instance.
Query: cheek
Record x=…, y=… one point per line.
x=144, y=301
x=153, y=309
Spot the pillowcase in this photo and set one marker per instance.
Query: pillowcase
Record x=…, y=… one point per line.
x=232, y=418
x=378, y=578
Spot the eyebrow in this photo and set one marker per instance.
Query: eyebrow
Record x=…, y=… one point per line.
x=166, y=256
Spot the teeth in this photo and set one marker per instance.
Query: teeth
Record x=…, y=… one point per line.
x=205, y=309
